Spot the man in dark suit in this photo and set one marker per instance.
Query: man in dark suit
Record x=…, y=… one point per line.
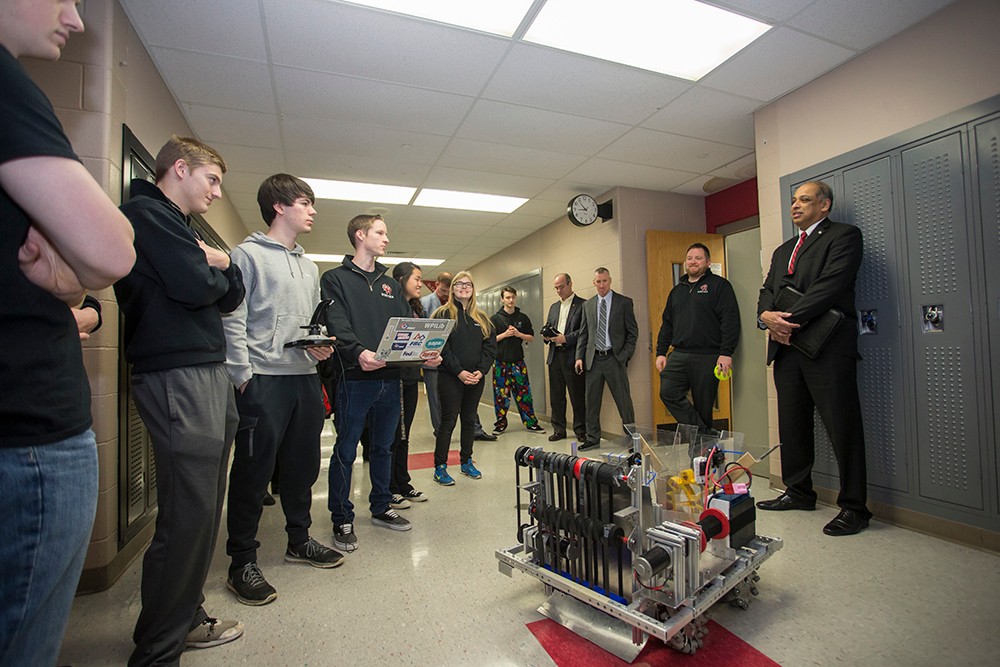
x=605, y=345
x=822, y=263
x=566, y=317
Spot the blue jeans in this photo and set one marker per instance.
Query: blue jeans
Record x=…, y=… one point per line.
x=50, y=494
x=355, y=400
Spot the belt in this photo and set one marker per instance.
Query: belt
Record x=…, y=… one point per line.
x=603, y=353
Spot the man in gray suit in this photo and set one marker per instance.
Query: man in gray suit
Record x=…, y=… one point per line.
x=605, y=345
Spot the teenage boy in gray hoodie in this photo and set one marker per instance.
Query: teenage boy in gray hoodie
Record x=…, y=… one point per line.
x=279, y=395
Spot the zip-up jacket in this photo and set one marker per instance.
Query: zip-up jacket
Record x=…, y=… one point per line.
x=282, y=290
x=172, y=299
x=361, y=308
x=700, y=317
x=467, y=349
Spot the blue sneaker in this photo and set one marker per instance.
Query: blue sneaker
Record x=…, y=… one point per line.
x=469, y=470
x=442, y=477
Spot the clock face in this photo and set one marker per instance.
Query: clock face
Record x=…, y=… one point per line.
x=582, y=210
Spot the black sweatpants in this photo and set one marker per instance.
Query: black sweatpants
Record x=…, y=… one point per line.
x=281, y=418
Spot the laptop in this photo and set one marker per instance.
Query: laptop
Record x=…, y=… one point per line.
x=411, y=340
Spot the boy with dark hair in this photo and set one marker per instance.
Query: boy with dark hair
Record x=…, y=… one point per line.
x=279, y=396
x=172, y=302
x=510, y=375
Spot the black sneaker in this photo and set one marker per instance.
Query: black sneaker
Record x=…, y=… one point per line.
x=344, y=537
x=499, y=428
x=389, y=519
x=535, y=429
x=415, y=496
x=250, y=586
x=314, y=553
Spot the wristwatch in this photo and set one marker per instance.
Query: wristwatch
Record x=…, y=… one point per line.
x=761, y=325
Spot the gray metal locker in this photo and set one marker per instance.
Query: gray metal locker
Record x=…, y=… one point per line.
x=939, y=316
x=987, y=138
x=868, y=203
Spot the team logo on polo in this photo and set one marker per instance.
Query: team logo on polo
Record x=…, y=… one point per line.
x=703, y=289
x=386, y=291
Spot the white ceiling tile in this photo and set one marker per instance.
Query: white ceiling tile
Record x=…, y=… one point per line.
x=506, y=159
x=777, y=63
x=611, y=173
x=695, y=187
x=224, y=82
x=244, y=182
x=335, y=97
x=536, y=128
x=330, y=37
x=316, y=163
x=709, y=114
x=672, y=151
x=251, y=158
x=861, y=24
x=197, y=26
x=233, y=126
x=360, y=140
x=548, y=78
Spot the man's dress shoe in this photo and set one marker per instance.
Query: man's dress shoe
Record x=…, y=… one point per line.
x=588, y=445
x=484, y=436
x=848, y=522
x=785, y=502
x=557, y=436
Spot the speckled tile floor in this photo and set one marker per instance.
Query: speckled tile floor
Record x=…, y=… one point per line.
x=434, y=595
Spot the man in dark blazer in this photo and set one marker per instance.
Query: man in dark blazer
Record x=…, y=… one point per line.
x=604, y=349
x=566, y=317
x=822, y=263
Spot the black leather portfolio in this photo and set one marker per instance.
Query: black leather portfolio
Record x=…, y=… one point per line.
x=812, y=335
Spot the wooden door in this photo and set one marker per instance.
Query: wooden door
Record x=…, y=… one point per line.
x=665, y=254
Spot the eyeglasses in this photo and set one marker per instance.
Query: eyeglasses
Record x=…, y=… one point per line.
x=461, y=285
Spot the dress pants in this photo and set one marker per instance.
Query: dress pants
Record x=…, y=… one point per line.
x=606, y=368
x=563, y=378
x=829, y=384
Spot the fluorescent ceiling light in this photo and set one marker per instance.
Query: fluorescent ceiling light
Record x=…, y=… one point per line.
x=682, y=38
x=499, y=18
x=468, y=201
x=366, y=192
x=337, y=259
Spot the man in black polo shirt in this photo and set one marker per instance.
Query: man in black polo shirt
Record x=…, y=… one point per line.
x=702, y=322
x=61, y=235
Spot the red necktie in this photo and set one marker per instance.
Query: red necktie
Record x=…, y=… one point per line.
x=795, y=253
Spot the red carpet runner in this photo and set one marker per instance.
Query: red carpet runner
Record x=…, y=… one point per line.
x=722, y=647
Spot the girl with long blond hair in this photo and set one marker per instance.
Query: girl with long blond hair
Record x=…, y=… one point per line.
x=466, y=360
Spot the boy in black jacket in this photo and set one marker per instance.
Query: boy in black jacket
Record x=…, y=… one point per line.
x=364, y=297
x=173, y=302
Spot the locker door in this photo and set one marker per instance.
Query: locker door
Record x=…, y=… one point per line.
x=868, y=203
x=940, y=320
x=987, y=136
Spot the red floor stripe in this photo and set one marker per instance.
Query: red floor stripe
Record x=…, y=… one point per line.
x=425, y=460
x=568, y=649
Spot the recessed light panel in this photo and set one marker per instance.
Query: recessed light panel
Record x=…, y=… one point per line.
x=682, y=38
x=364, y=192
x=468, y=201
